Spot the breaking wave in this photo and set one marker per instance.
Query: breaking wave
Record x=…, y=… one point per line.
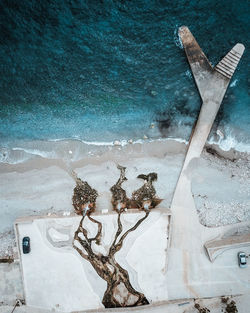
x=74, y=150
x=68, y=150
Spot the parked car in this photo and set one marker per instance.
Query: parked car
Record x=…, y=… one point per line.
x=242, y=259
x=26, y=245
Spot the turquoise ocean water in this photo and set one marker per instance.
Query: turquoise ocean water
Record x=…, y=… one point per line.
x=99, y=71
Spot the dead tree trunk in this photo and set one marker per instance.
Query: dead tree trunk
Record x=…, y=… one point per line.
x=119, y=292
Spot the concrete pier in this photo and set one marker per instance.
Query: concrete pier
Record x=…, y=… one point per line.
x=212, y=84
x=194, y=274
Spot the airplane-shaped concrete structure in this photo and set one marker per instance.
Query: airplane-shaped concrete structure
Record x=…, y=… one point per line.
x=212, y=84
x=196, y=274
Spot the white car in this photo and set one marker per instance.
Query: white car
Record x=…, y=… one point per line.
x=242, y=259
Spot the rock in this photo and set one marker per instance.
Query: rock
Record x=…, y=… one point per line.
x=117, y=143
x=154, y=93
x=66, y=213
x=220, y=133
x=130, y=141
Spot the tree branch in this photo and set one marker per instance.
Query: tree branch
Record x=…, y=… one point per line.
x=86, y=244
x=82, y=229
x=118, y=246
x=118, y=232
x=80, y=252
x=98, y=236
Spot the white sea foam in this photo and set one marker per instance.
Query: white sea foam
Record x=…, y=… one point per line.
x=67, y=149
x=188, y=73
x=229, y=142
x=37, y=152
x=234, y=83
x=123, y=142
x=225, y=143
x=177, y=39
x=94, y=143
x=10, y=156
x=70, y=150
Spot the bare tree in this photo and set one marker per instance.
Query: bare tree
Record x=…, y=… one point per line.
x=119, y=292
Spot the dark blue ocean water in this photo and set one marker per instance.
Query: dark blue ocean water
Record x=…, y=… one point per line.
x=106, y=70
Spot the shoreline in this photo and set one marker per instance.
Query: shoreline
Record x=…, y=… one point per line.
x=70, y=151
x=43, y=186
x=92, y=154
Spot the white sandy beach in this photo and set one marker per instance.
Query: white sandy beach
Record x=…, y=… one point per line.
x=41, y=186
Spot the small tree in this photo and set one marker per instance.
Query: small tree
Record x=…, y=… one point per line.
x=119, y=292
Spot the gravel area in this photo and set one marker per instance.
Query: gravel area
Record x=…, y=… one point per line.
x=8, y=241
x=221, y=190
